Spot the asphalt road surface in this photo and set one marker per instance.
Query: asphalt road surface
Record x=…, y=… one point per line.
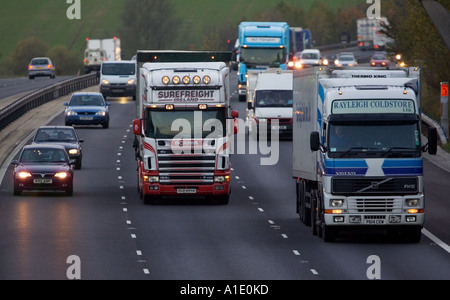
x=106, y=232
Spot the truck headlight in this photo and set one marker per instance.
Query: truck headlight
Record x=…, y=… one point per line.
x=105, y=82
x=131, y=81
x=222, y=179
x=336, y=202
x=412, y=202
x=151, y=179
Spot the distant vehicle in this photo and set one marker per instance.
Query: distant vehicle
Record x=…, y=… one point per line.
x=262, y=45
x=379, y=60
x=235, y=56
x=100, y=50
x=269, y=102
x=118, y=79
x=43, y=167
x=370, y=33
x=41, y=66
x=61, y=135
x=346, y=59
x=300, y=39
x=87, y=109
x=309, y=58
x=329, y=60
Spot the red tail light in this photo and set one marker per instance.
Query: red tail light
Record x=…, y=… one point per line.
x=30, y=67
x=49, y=66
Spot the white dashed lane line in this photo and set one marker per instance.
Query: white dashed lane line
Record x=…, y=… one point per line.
x=274, y=226
x=124, y=204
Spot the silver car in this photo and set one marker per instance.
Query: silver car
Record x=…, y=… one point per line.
x=41, y=66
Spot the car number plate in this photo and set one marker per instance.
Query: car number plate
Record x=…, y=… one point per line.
x=86, y=118
x=186, y=191
x=374, y=222
x=42, y=181
x=117, y=91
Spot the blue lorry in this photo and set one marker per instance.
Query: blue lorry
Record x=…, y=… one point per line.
x=262, y=45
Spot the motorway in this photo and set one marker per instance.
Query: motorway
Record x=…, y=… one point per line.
x=112, y=235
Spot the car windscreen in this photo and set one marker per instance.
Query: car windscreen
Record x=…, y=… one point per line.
x=55, y=135
x=86, y=100
x=42, y=155
x=118, y=69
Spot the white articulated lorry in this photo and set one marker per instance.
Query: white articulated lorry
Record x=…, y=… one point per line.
x=100, y=50
x=269, y=102
x=357, y=150
x=182, y=128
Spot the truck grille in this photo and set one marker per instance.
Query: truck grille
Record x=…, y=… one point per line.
x=375, y=186
x=376, y=205
x=185, y=169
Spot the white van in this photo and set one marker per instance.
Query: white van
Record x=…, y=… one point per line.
x=310, y=57
x=118, y=79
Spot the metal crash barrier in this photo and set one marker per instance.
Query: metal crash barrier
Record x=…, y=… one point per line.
x=39, y=97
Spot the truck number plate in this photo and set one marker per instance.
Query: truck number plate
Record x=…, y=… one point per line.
x=375, y=222
x=279, y=127
x=186, y=191
x=42, y=181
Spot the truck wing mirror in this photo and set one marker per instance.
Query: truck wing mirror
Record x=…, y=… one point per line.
x=250, y=105
x=137, y=126
x=431, y=147
x=314, y=141
x=235, y=114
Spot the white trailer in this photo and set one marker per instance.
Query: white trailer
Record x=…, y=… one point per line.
x=372, y=177
x=370, y=33
x=100, y=50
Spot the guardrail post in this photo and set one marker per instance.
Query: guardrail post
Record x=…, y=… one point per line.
x=444, y=108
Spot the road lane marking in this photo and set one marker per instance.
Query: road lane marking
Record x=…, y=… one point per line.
x=435, y=239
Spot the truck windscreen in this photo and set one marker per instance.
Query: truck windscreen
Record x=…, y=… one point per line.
x=263, y=56
x=374, y=139
x=185, y=124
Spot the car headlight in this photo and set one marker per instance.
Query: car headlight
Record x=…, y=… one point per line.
x=23, y=175
x=71, y=113
x=62, y=175
x=101, y=113
x=73, y=151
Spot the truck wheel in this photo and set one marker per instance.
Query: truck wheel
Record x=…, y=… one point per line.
x=328, y=233
x=223, y=199
x=413, y=234
x=313, y=211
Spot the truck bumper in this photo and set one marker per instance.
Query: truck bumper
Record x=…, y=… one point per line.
x=374, y=220
x=157, y=189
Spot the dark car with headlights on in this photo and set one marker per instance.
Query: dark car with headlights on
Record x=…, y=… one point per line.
x=43, y=167
x=62, y=135
x=87, y=109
